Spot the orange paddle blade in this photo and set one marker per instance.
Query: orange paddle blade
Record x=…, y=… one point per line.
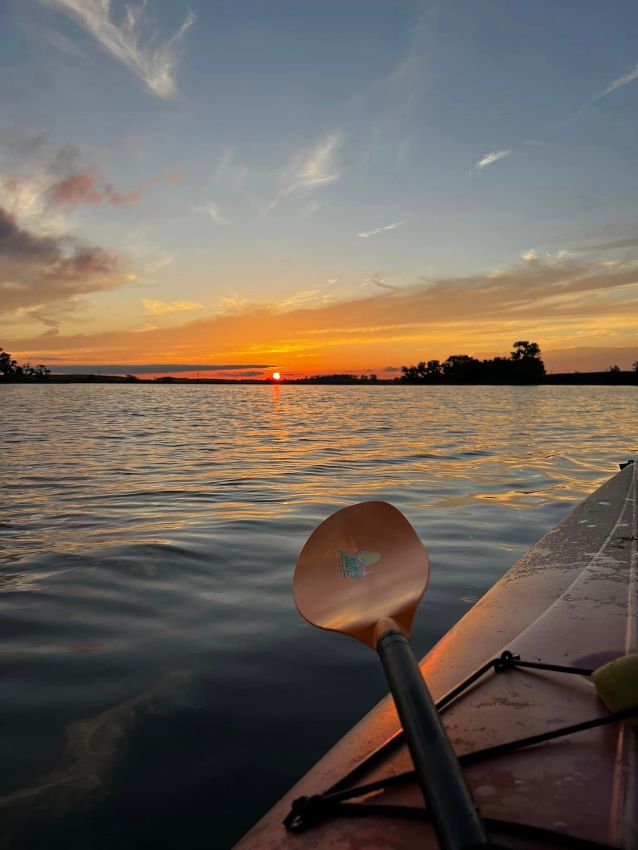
x=362, y=565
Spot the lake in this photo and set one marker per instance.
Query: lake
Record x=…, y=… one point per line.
x=157, y=686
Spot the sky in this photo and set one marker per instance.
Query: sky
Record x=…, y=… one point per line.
x=317, y=186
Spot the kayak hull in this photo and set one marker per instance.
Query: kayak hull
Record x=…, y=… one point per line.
x=571, y=600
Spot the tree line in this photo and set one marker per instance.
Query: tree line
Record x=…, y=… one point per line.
x=11, y=370
x=523, y=366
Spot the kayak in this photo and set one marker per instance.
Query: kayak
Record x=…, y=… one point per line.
x=547, y=762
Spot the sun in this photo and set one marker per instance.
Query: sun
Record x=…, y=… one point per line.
x=276, y=376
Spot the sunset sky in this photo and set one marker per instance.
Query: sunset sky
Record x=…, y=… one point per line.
x=318, y=185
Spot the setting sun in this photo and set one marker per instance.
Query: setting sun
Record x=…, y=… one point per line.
x=276, y=376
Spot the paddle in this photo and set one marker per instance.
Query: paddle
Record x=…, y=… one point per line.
x=363, y=572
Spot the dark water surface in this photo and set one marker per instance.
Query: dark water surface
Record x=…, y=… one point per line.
x=157, y=687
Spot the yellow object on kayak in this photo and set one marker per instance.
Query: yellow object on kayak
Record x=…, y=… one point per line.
x=617, y=683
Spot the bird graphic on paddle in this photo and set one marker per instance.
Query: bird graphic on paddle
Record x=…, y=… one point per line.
x=354, y=565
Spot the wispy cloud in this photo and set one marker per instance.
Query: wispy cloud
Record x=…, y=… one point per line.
x=376, y=280
x=387, y=106
x=134, y=41
x=214, y=212
x=319, y=167
x=368, y=233
x=233, y=303
x=310, y=169
x=491, y=158
x=160, y=308
x=305, y=296
x=629, y=242
x=619, y=82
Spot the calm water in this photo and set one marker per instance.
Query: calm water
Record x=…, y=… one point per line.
x=157, y=687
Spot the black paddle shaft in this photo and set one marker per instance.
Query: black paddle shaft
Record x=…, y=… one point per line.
x=457, y=823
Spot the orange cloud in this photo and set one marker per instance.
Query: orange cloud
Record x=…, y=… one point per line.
x=77, y=189
x=88, y=187
x=561, y=304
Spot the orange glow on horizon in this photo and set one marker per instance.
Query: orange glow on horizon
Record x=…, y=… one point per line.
x=585, y=323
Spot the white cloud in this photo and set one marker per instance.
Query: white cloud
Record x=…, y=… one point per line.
x=159, y=308
x=529, y=256
x=25, y=198
x=491, y=158
x=619, y=82
x=368, y=233
x=134, y=41
x=310, y=169
x=318, y=167
x=213, y=210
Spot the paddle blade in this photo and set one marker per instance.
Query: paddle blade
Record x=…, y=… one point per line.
x=362, y=565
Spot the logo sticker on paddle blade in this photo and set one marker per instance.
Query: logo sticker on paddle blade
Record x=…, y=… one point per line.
x=354, y=565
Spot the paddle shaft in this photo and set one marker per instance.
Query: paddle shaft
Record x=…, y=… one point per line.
x=457, y=823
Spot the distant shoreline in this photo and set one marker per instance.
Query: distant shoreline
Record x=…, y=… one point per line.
x=620, y=378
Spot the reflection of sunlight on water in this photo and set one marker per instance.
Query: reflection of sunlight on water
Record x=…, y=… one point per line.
x=514, y=498
x=220, y=454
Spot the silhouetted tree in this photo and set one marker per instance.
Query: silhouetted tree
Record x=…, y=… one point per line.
x=39, y=372
x=527, y=356
x=333, y=379
x=462, y=368
x=499, y=370
x=8, y=366
x=525, y=350
x=10, y=370
x=523, y=366
x=409, y=373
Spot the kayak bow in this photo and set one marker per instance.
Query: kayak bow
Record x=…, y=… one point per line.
x=505, y=673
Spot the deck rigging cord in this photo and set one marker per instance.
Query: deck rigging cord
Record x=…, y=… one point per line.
x=306, y=811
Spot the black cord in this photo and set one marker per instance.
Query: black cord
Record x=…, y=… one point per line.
x=485, y=753
x=506, y=661
x=316, y=809
x=307, y=811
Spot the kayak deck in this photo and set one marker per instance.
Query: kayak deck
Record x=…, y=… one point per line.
x=570, y=601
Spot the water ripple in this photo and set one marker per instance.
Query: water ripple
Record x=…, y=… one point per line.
x=150, y=653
